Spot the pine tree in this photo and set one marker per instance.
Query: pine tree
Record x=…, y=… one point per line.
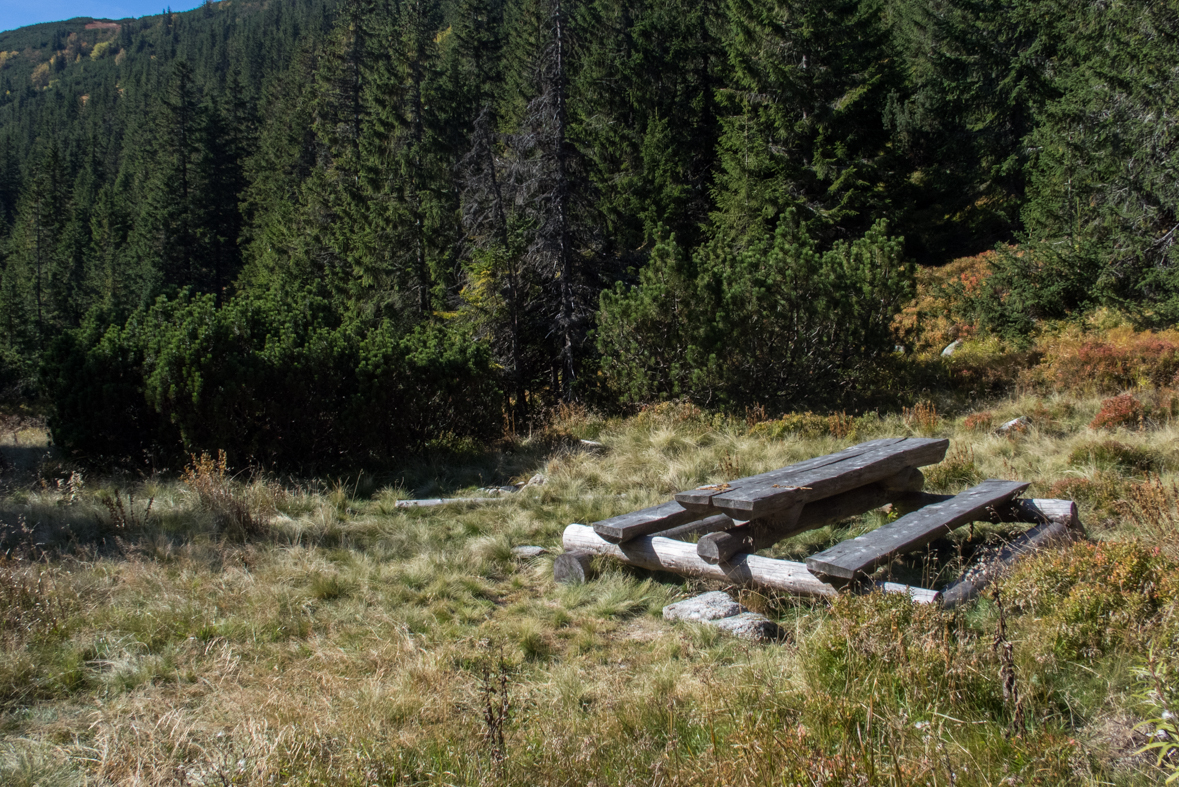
x=32, y=252
x=406, y=163
x=806, y=129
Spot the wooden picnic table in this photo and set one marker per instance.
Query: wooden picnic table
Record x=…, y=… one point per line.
x=737, y=518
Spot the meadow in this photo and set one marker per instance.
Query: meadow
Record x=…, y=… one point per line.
x=222, y=627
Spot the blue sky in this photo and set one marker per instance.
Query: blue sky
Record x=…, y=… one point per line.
x=18, y=13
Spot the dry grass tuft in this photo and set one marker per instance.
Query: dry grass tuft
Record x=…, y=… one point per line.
x=215, y=490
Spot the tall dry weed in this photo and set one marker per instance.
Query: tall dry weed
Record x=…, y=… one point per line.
x=209, y=478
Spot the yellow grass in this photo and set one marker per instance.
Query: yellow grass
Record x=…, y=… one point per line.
x=352, y=642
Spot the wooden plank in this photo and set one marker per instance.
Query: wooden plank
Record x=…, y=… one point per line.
x=764, y=533
x=858, y=556
x=666, y=554
x=645, y=521
x=704, y=526
x=701, y=497
x=1058, y=524
x=754, y=500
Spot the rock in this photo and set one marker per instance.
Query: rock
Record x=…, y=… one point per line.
x=949, y=350
x=592, y=446
x=573, y=568
x=1020, y=424
x=751, y=626
x=536, y=480
x=526, y=553
x=709, y=606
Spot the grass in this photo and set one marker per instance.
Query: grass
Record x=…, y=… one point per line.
x=245, y=630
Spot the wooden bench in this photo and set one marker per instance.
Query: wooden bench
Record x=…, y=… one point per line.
x=858, y=557
x=737, y=518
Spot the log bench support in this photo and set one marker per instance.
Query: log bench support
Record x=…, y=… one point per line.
x=666, y=554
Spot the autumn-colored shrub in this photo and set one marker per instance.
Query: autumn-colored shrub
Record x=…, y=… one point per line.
x=922, y=417
x=209, y=478
x=1104, y=494
x=1121, y=359
x=809, y=425
x=938, y=315
x=669, y=413
x=1153, y=509
x=1119, y=411
x=1094, y=597
x=980, y=422
x=1112, y=455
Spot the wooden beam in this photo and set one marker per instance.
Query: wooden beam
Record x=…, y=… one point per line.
x=1058, y=523
x=622, y=528
x=764, y=533
x=704, y=526
x=665, y=554
x=857, y=557
x=755, y=497
x=700, y=499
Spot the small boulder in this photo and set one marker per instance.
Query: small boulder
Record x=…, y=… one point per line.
x=951, y=347
x=536, y=480
x=1014, y=426
x=706, y=607
x=526, y=553
x=751, y=626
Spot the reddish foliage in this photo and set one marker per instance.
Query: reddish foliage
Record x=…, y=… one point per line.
x=980, y=422
x=1125, y=362
x=1117, y=411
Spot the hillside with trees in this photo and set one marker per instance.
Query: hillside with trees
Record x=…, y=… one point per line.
x=322, y=320
x=278, y=224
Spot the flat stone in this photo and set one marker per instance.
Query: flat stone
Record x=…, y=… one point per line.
x=751, y=626
x=951, y=347
x=528, y=552
x=592, y=446
x=706, y=607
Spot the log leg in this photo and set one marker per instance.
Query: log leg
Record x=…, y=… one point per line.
x=573, y=568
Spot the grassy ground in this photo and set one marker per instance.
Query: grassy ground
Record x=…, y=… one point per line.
x=211, y=630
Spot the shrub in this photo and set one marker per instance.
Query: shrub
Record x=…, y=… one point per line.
x=809, y=425
x=774, y=323
x=1104, y=492
x=272, y=378
x=980, y=422
x=1119, y=411
x=1153, y=509
x=922, y=417
x=1120, y=360
x=1092, y=598
x=956, y=471
x=1112, y=455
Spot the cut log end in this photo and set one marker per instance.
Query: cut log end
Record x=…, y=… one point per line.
x=573, y=568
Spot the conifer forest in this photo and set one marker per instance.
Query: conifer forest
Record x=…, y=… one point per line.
x=317, y=233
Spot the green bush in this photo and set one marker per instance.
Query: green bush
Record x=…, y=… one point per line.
x=773, y=323
x=275, y=379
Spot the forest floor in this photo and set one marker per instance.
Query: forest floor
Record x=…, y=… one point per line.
x=208, y=629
